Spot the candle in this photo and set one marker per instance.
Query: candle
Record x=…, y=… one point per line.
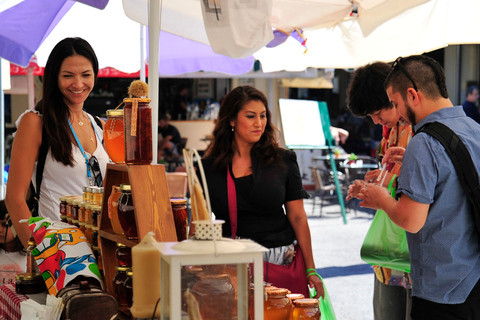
x=146, y=278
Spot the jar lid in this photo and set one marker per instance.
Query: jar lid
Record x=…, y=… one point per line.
x=115, y=112
x=96, y=189
x=63, y=198
x=120, y=244
x=178, y=201
x=277, y=292
x=306, y=302
x=96, y=207
x=130, y=273
x=28, y=276
x=218, y=276
x=130, y=100
x=83, y=204
x=295, y=296
x=76, y=201
x=63, y=216
x=125, y=187
x=88, y=226
x=120, y=268
x=95, y=228
x=75, y=221
x=82, y=223
x=85, y=189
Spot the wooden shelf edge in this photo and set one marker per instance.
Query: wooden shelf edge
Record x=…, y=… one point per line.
x=110, y=235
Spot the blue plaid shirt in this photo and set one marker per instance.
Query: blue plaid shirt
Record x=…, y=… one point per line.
x=445, y=253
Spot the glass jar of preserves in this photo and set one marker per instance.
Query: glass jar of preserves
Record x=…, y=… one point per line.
x=81, y=211
x=68, y=209
x=114, y=136
x=307, y=309
x=118, y=280
x=96, y=209
x=292, y=297
x=126, y=214
x=94, y=241
x=277, y=306
x=81, y=226
x=74, y=209
x=180, y=216
x=123, y=255
x=88, y=214
x=86, y=194
x=112, y=209
x=88, y=233
x=96, y=195
x=217, y=295
x=63, y=206
x=137, y=124
x=128, y=288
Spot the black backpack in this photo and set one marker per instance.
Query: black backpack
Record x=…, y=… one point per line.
x=462, y=161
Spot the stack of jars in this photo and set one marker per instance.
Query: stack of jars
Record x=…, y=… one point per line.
x=122, y=281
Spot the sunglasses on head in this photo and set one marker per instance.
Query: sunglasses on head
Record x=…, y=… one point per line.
x=95, y=167
x=398, y=63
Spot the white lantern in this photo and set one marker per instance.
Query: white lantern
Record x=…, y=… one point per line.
x=209, y=254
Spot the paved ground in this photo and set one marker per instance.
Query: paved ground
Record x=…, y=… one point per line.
x=336, y=248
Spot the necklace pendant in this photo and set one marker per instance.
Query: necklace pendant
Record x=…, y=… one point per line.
x=80, y=123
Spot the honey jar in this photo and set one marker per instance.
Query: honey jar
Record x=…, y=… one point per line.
x=180, y=217
x=306, y=309
x=114, y=136
x=126, y=214
x=277, y=306
x=137, y=122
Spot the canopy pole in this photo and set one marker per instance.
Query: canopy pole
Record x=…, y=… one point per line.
x=143, y=73
x=154, y=15
x=2, y=137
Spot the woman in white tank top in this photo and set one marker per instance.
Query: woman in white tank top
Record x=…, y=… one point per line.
x=72, y=136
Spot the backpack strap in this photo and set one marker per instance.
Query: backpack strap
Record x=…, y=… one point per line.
x=462, y=160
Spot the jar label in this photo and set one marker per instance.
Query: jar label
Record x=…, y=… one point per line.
x=133, y=126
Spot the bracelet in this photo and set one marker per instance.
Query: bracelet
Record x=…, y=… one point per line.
x=311, y=269
x=314, y=274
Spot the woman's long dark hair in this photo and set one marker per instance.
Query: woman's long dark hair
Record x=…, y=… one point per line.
x=54, y=111
x=223, y=144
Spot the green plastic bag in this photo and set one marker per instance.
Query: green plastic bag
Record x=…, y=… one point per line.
x=325, y=304
x=385, y=244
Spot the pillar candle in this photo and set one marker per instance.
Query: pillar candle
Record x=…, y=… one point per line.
x=146, y=278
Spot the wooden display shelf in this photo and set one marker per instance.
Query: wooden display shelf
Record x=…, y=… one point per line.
x=152, y=207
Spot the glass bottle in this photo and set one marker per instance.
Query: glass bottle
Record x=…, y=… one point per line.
x=128, y=288
x=277, y=306
x=118, y=280
x=63, y=206
x=32, y=267
x=112, y=209
x=180, y=216
x=126, y=214
x=137, y=122
x=123, y=255
x=307, y=309
x=114, y=136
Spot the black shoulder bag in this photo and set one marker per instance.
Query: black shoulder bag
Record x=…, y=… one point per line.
x=462, y=161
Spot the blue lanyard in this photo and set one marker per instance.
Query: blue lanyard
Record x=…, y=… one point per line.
x=89, y=174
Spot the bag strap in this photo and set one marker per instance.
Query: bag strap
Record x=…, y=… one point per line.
x=42, y=156
x=232, y=203
x=462, y=160
x=97, y=120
